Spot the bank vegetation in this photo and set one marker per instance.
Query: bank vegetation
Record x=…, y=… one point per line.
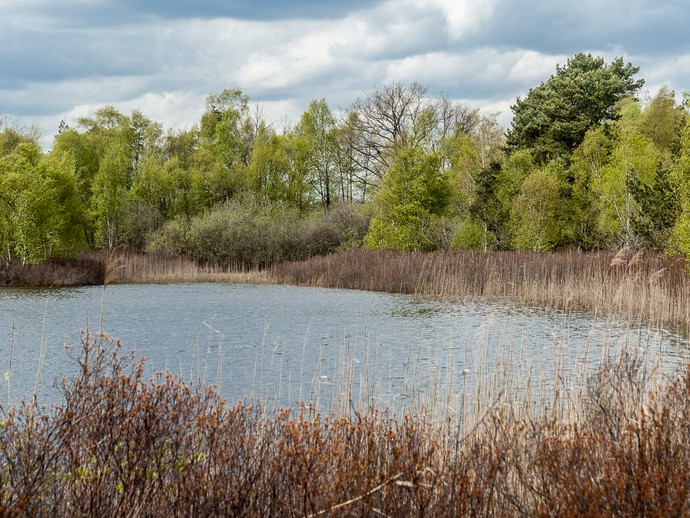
x=119, y=444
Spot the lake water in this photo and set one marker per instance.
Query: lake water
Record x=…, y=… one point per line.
x=288, y=344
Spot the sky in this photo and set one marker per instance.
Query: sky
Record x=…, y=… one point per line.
x=64, y=60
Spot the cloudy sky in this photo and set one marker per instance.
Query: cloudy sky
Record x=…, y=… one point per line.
x=62, y=60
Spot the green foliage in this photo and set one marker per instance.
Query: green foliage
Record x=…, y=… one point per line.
x=585, y=165
x=316, y=136
x=11, y=137
x=85, y=152
x=110, y=189
x=494, y=190
x=586, y=169
x=658, y=205
x=226, y=128
x=464, y=161
x=633, y=161
x=413, y=196
x=555, y=116
x=490, y=206
x=537, y=212
x=662, y=121
x=471, y=234
x=249, y=232
x=679, y=241
x=269, y=171
x=156, y=186
x=39, y=206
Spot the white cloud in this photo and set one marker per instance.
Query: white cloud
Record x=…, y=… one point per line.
x=483, y=67
x=484, y=52
x=300, y=59
x=534, y=67
x=462, y=17
x=670, y=71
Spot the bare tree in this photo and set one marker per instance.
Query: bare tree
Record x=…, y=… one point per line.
x=402, y=114
x=382, y=120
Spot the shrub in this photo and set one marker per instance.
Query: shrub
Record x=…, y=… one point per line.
x=249, y=233
x=470, y=234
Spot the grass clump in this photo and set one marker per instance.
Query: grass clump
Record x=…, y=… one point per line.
x=88, y=269
x=119, y=444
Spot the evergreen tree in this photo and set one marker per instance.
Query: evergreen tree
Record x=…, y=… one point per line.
x=555, y=116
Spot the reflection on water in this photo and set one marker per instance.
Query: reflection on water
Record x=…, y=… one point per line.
x=288, y=344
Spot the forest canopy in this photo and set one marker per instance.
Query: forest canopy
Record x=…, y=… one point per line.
x=587, y=162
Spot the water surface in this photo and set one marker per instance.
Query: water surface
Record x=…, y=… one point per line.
x=287, y=344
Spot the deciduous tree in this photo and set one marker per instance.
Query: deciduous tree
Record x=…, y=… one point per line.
x=413, y=196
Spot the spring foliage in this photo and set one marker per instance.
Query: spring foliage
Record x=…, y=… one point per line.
x=585, y=163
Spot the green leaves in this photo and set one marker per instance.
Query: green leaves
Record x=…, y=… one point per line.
x=40, y=213
x=413, y=196
x=537, y=215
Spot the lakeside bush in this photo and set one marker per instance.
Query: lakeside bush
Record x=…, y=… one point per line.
x=249, y=233
x=88, y=269
x=122, y=445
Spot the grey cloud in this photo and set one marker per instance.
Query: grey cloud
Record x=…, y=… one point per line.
x=68, y=14
x=252, y=9
x=75, y=53
x=642, y=26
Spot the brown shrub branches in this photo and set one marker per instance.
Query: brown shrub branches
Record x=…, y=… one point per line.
x=122, y=445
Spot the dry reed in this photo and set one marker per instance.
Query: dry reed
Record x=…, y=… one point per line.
x=645, y=286
x=612, y=443
x=151, y=269
x=89, y=269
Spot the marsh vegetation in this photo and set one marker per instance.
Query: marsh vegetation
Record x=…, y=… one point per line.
x=609, y=436
x=118, y=441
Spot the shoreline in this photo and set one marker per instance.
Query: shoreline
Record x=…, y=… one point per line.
x=644, y=286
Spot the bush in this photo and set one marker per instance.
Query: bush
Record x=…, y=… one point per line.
x=249, y=233
x=471, y=235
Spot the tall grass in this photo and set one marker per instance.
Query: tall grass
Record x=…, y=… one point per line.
x=496, y=440
x=645, y=286
x=101, y=267
x=642, y=285
x=119, y=444
x=88, y=269
x=140, y=268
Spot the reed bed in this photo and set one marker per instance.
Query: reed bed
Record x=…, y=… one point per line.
x=612, y=440
x=641, y=285
x=119, y=444
x=100, y=267
x=631, y=284
x=152, y=269
x=89, y=269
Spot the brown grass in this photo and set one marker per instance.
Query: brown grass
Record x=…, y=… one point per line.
x=152, y=269
x=650, y=287
x=89, y=269
x=122, y=445
x=99, y=267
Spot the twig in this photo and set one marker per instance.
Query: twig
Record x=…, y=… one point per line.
x=356, y=499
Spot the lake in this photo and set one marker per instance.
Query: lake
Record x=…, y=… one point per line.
x=286, y=344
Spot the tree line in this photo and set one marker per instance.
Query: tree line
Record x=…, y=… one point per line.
x=585, y=163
